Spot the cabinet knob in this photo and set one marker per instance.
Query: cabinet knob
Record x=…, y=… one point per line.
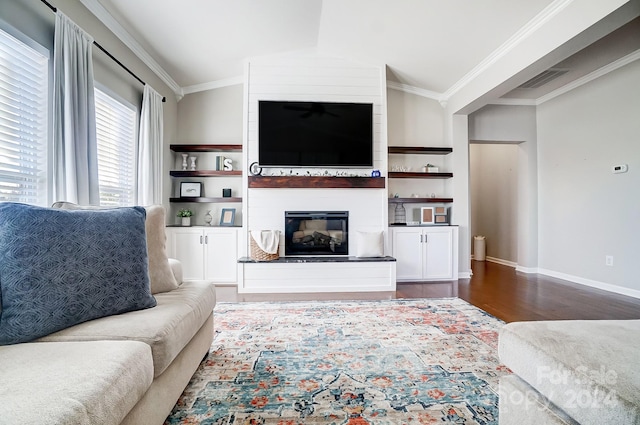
x=200, y=239
x=206, y=239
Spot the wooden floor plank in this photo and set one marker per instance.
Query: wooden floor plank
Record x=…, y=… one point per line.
x=499, y=290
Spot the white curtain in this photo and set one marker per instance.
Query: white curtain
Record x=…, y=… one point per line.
x=150, y=149
x=75, y=165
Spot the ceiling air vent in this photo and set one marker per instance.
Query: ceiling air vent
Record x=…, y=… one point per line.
x=543, y=78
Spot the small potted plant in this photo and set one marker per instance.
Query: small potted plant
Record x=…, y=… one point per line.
x=185, y=215
x=430, y=168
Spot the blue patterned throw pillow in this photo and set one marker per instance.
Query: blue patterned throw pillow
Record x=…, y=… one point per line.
x=59, y=268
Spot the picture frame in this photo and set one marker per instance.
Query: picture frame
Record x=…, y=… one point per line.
x=190, y=189
x=227, y=216
x=427, y=215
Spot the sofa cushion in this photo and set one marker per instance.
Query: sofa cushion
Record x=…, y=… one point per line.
x=59, y=268
x=167, y=328
x=585, y=367
x=160, y=275
x=72, y=382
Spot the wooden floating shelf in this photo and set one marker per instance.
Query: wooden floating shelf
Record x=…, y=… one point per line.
x=204, y=173
x=405, y=175
x=419, y=200
x=206, y=148
x=205, y=200
x=420, y=150
x=263, y=182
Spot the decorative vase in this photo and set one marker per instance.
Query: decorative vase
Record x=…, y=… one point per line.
x=193, y=162
x=186, y=221
x=208, y=218
x=184, y=161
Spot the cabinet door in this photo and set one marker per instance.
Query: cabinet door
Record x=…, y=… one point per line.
x=187, y=246
x=221, y=255
x=438, y=249
x=407, y=249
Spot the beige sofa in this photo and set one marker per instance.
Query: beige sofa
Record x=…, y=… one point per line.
x=127, y=368
x=124, y=369
x=570, y=372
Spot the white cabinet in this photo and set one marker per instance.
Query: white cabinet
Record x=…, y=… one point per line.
x=425, y=253
x=206, y=253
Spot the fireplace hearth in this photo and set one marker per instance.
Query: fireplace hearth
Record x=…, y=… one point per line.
x=314, y=233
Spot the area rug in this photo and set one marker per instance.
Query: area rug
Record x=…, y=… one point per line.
x=431, y=361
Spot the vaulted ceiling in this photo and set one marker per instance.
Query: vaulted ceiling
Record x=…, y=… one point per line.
x=429, y=45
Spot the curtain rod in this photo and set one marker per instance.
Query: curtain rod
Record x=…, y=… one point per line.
x=95, y=43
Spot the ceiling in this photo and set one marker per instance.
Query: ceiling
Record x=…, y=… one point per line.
x=428, y=45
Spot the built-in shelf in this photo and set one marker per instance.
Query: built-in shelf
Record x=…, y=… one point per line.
x=263, y=182
x=206, y=148
x=205, y=200
x=204, y=173
x=409, y=175
x=419, y=200
x=420, y=150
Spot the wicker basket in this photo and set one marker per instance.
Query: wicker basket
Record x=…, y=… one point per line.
x=258, y=254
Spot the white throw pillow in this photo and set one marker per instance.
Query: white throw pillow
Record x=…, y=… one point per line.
x=369, y=244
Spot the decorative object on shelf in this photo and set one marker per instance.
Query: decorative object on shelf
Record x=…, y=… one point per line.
x=414, y=195
x=427, y=215
x=255, y=169
x=375, y=173
x=226, y=193
x=185, y=217
x=190, y=189
x=208, y=218
x=400, y=214
x=400, y=168
x=441, y=215
x=430, y=168
x=227, y=216
x=219, y=162
x=192, y=159
x=227, y=164
x=184, y=161
x=433, y=195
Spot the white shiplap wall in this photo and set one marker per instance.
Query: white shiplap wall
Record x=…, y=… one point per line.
x=311, y=77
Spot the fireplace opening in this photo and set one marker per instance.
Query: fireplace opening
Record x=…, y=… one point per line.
x=316, y=233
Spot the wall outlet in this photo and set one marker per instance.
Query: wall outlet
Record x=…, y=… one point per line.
x=608, y=260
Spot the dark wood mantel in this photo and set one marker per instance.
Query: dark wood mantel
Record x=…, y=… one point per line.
x=310, y=182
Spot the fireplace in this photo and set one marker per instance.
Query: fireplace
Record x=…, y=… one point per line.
x=316, y=233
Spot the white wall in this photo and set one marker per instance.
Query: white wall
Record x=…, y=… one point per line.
x=586, y=212
x=310, y=77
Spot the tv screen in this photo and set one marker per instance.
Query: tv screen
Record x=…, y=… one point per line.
x=315, y=134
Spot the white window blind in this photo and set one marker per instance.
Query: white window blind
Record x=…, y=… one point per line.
x=23, y=122
x=116, y=131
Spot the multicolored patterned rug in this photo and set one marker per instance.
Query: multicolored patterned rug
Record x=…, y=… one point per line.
x=430, y=361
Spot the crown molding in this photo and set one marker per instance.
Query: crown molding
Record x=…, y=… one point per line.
x=212, y=85
x=415, y=90
x=522, y=34
x=110, y=22
x=625, y=60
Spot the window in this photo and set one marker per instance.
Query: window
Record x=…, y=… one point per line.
x=116, y=131
x=23, y=122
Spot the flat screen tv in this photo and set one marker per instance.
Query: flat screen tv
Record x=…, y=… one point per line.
x=315, y=134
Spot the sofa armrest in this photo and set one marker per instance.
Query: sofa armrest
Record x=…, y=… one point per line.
x=176, y=268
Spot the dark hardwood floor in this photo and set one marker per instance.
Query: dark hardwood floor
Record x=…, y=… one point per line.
x=498, y=290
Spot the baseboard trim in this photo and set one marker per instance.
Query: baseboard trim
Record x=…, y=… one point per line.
x=529, y=270
x=592, y=283
x=501, y=261
x=465, y=275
